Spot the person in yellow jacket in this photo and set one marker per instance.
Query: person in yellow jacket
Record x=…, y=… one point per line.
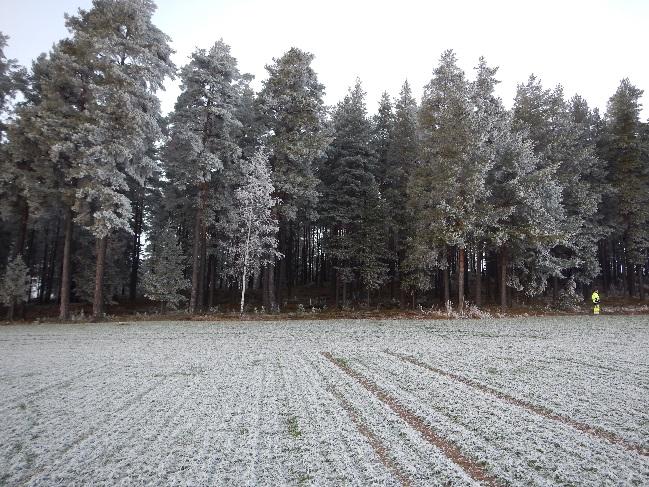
x=595, y=298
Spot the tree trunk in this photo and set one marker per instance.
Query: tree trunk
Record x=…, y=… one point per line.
x=43, y=276
x=10, y=310
x=212, y=281
x=98, y=303
x=624, y=275
x=641, y=281
x=397, y=270
x=280, y=277
x=196, y=251
x=51, y=263
x=447, y=290
x=503, y=279
x=337, y=289
x=269, y=287
x=64, y=310
x=243, y=290
x=135, y=250
x=289, y=263
x=606, y=268
x=460, y=279
x=202, y=273
x=245, y=264
x=22, y=229
x=478, y=278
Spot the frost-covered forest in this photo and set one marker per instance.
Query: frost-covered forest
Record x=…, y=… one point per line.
x=240, y=198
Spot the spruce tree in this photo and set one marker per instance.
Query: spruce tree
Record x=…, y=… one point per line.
x=14, y=285
x=382, y=127
x=401, y=160
x=625, y=150
x=163, y=278
x=352, y=206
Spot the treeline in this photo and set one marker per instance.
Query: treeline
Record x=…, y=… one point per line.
x=275, y=195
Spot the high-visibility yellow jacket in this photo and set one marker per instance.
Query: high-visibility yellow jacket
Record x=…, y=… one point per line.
x=595, y=297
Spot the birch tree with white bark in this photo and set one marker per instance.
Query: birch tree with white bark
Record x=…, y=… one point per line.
x=251, y=227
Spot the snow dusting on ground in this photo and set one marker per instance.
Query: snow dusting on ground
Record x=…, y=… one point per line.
x=534, y=401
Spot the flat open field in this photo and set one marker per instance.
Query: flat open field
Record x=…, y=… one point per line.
x=547, y=401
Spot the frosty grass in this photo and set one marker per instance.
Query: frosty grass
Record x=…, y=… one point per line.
x=256, y=403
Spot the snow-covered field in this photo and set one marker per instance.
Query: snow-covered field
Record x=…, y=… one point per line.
x=552, y=401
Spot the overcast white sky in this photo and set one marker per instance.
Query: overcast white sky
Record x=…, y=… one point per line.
x=588, y=46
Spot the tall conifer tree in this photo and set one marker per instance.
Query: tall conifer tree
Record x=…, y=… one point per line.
x=293, y=115
x=625, y=150
x=203, y=139
x=352, y=206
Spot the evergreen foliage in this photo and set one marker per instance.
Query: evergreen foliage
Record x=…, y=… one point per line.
x=560, y=133
x=204, y=131
x=271, y=193
x=352, y=205
x=163, y=278
x=293, y=113
x=15, y=282
x=14, y=285
x=292, y=116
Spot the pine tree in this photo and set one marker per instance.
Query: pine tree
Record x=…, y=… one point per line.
x=203, y=137
x=293, y=115
x=449, y=189
x=12, y=80
x=163, y=278
x=251, y=227
x=100, y=111
x=524, y=198
x=50, y=130
x=559, y=132
x=130, y=58
x=25, y=178
x=14, y=285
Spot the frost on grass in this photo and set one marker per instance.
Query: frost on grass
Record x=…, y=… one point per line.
x=257, y=403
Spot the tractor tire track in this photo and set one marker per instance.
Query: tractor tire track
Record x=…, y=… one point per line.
x=535, y=408
x=474, y=470
x=372, y=439
x=410, y=452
